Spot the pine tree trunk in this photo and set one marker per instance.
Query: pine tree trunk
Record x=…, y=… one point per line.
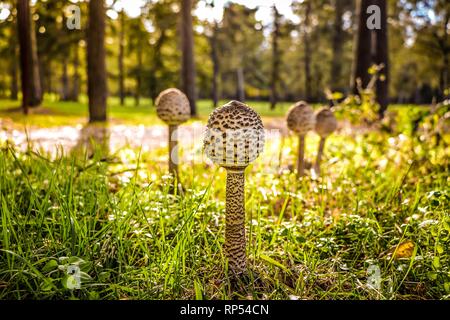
x=97, y=87
x=240, y=84
x=307, y=52
x=337, y=43
x=137, y=95
x=121, y=57
x=275, y=60
x=36, y=86
x=382, y=57
x=216, y=67
x=363, y=48
x=14, y=86
x=76, y=74
x=24, y=32
x=188, y=65
x=65, y=81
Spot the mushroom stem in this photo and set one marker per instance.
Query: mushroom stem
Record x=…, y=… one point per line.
x=173, y=150
x=319, y=155
x=301, y=156
x=235, y=241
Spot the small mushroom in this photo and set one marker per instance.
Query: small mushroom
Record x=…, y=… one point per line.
x=326, y=124
x=300, y=120
x=172, y=107
x=234, y=138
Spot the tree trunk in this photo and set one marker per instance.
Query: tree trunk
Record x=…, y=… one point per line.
x=14, y=86
x=382, y=57
x=76, y=74
x=363, y=48
x=157, y=62
x=65, y=81
x=307, y=52
x=337, y=44
x=24, y=32
x=240, y=84
x=121, y=57
x=275, y=59
x=36, y=86
x=188, y=65
x=97, y=87
x=216, y=67
x=137, y=95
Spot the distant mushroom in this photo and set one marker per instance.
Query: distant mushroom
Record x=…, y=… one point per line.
x=172, y=107
x=300, y=120
x=326, y=124
x=234, y=138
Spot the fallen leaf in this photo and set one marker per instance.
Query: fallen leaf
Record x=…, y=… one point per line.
x=404, y=250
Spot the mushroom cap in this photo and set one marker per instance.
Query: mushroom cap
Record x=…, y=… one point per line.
x=444, y=124
x=326, y=122
x=172, y=107
x=300, y=118
x=234, y=136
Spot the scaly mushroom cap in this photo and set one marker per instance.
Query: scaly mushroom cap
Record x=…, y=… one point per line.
x=444, y=124
x=172, y=107
x=326, y=123
x=300, y=118
x=234, y=136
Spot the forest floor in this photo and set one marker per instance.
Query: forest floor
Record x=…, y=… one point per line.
x=376, y=225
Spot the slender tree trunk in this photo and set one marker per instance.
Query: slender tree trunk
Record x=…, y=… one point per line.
x=157, y=62
x=307, y=52
x=216, y=67
x=121, y=57
x=240, y=84
x=97, y=87
x=24, y=32
x=48, y=77
x=76, y=74
x=363, y=48
x=382, y=57
x=337, y=43
x=14, y=86
x=188, y=65
x=275, y=59
x=36, y=86
x=65, y=81
x=445, y=47
x=137, y=95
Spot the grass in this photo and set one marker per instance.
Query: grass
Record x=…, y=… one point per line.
x=382, y=205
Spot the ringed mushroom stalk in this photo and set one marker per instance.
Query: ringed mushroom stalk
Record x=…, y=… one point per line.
x=172, y=107
x=233, y=139
x=326, y=124
x=300, y=120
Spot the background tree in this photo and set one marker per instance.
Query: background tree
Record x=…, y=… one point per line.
x=30, y=78
x=363, y=47
x=275, y=58
x=382, y=58
x=121, y=57
x=96, y=69
x=188, y=65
